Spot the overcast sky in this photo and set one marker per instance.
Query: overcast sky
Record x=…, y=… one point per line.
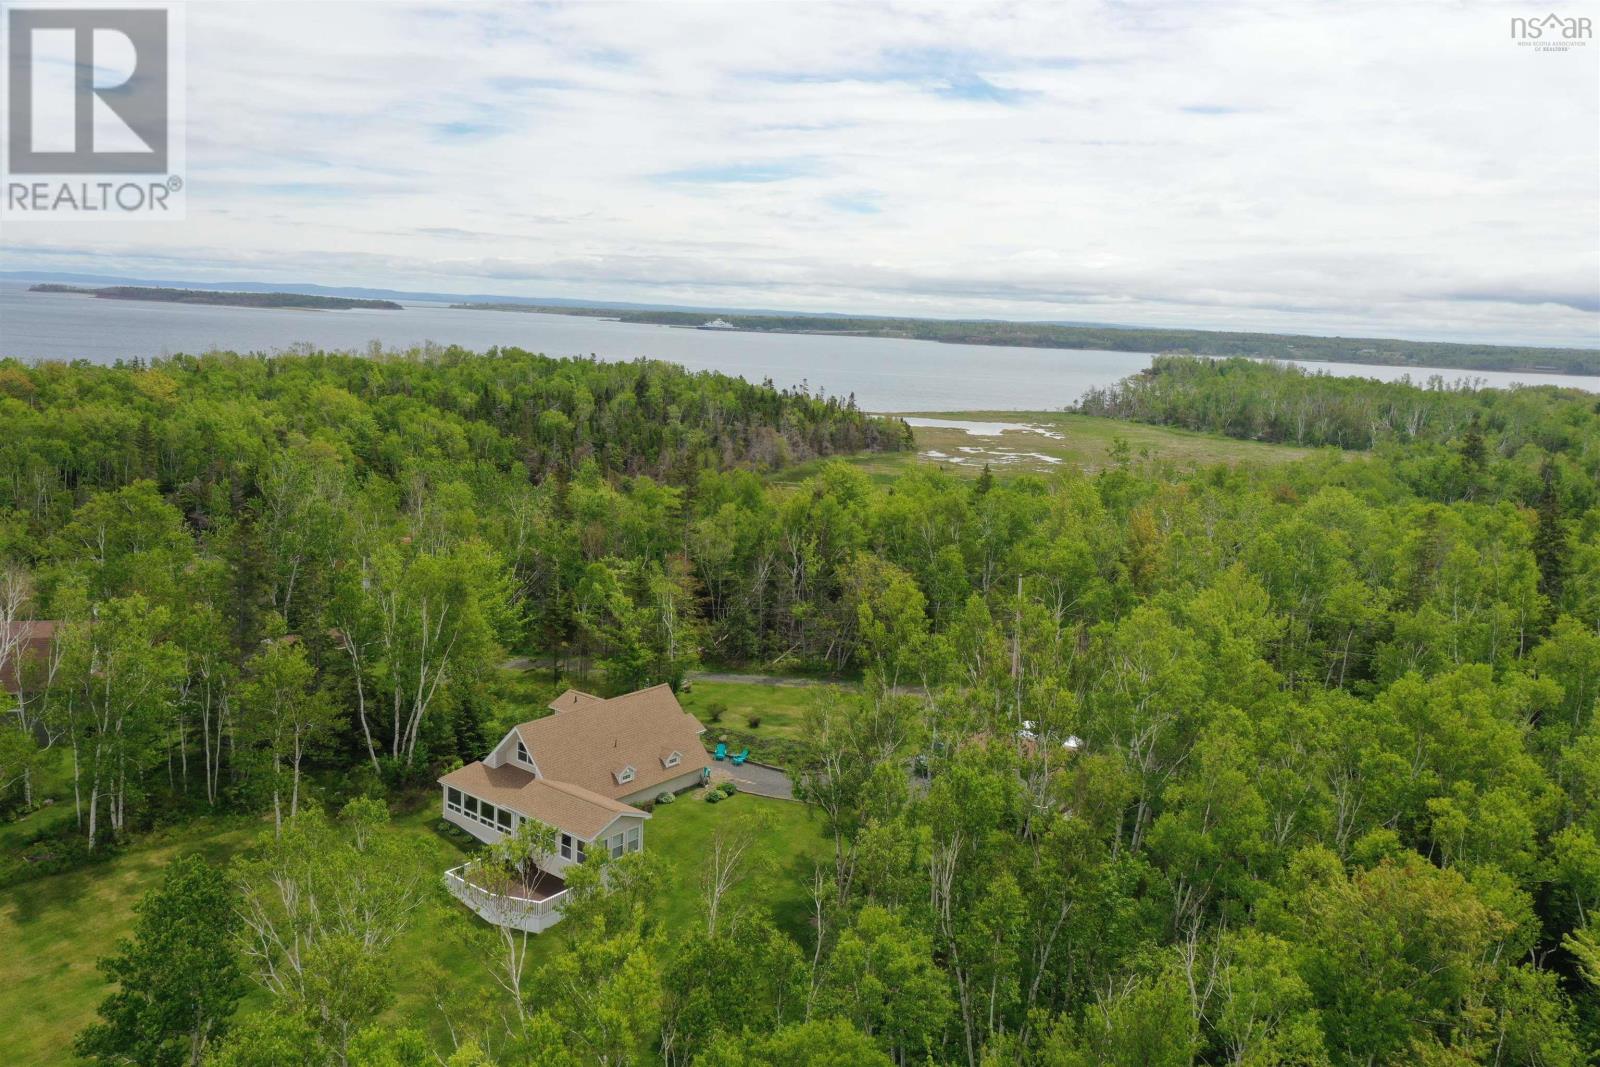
x=1383, y=168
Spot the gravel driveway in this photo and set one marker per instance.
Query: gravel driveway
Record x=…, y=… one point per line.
x=757, y=778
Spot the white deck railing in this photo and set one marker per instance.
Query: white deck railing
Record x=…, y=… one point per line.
x=533, y=914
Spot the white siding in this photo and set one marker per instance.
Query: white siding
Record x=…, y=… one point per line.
x=505, y=754
x=672, y=785
x=622, y=824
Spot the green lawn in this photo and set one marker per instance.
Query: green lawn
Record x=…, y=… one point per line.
x=54, y=929
x=781, y=864
x=1067, y=440
x=779, y=707
x=441, y=937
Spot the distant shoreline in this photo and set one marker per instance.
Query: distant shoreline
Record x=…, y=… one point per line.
x=1367, y=351
x=154, y=294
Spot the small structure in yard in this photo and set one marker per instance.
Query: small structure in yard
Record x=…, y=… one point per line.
x=581, y=771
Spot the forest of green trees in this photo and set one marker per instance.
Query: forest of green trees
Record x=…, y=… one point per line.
x=1246, y=765
x=218, y=297
x=1281, y=402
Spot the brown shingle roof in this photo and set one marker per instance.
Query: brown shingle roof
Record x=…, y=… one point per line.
x=572, y=699
x=588, y=745
x=567, y=807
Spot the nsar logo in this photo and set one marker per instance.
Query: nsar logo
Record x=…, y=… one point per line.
x=1552, y=33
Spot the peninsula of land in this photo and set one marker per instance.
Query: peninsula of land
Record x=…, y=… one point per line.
x=297, y=301
x=1368, y=350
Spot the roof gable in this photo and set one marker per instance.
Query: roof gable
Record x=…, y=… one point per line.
x=593, y=743
x=572, y=700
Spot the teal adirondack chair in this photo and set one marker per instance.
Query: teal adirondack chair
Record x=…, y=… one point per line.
x=721, y=752
x=740, y=758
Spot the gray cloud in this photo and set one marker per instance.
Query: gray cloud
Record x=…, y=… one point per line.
x=1220, y=165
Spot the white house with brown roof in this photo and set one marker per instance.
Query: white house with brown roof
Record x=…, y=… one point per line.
x=581, y=770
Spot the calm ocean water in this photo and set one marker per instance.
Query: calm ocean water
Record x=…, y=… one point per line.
x=884, y=374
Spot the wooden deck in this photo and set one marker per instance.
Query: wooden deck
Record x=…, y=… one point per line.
x=543, y=886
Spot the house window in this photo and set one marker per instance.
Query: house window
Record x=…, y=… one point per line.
x=625, y=776
x=616, y=844
x=522, y=753
x=483, y=811
x=566, y=846
x=582, y=855
x=634, y=843
x=452, y=798
x=672, y=760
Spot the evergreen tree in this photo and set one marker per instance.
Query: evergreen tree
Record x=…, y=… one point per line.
x=1550, y=538
x=178, y=975
x=1473, y=451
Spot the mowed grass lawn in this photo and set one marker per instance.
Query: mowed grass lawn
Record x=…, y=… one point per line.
x=780, y=708
x=780, y=866
x=52, y=930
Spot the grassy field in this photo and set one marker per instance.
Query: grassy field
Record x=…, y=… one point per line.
x=1052, y=440
x=781, y=865
x=54, y=929
x=777, y=707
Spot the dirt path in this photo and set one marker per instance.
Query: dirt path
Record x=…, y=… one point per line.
x=524, y=663
x=796, y=683
x=766, y=679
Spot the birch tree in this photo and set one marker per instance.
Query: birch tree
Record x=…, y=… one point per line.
x=122, y=677
x=727, y=863
x=208, y=691
x=284, y=716
x=438, y=617
x=32, y=732
x=322, y=879
x=502, y=872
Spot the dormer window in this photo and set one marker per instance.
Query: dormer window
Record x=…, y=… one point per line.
x=624, y=776
x=522, y=753
x=671, y=759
